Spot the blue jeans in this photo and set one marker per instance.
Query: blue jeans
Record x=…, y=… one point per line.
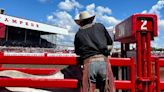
x=97, y=71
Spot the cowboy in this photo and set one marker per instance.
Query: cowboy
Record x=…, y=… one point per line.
x=91, y=44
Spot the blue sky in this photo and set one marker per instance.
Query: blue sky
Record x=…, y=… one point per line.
x=63, y=12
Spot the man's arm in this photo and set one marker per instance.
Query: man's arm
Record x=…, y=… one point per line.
x=104, y=41
x=76, y=45
x=108, y=37
x=109, y=40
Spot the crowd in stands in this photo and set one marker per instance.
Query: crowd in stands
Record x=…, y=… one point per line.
x=33, y=50
x=28, y=43
x=158, y=53
x=21, y=40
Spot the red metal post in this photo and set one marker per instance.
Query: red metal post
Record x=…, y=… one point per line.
x=125, y=84
x=149, y=65
x=159, y=83
x=157, y=70
x=139, y=62
x=132, y=75
x=144, y=61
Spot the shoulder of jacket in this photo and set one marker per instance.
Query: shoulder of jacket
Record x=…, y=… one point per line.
x=77, y=33
x=99, y=24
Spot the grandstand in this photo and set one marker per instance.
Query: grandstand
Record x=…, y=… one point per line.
x=19, y=32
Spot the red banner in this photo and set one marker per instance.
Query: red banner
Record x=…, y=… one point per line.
x=2, y=30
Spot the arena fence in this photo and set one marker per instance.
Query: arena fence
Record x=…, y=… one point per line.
x=56, y=83
x=159, y=83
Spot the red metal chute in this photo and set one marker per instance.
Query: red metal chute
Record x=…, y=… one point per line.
x=126, y=30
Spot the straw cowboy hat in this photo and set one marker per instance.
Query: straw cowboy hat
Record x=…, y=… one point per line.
x=84, y=16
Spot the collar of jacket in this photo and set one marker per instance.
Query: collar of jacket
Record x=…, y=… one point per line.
x=87, y=26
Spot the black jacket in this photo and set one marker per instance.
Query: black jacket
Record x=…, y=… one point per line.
x=92, y=41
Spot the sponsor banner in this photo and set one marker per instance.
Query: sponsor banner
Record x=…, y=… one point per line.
x=61, y=54
x=28, y=24
x=23, y=54
x=40, y=54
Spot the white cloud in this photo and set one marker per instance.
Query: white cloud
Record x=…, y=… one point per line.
x=156, y=10
x=109, y=20
x=91, y=8
x=49, y=18
x=161, y=25
x=69, y=5
x=66, y=39
x=157, y=42
x=154, y=44
x=145, y=11
x=157, y=7
x=64, y=19
x=103, y=10
x=102, y=14
x=61, y=18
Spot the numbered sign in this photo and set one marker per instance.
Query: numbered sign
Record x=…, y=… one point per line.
x=126, y=30
x=145, y=24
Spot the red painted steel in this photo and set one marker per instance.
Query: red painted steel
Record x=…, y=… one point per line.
x=125, y=84
x=159, y=83
x=127, y=29
x=148, y=17
x=132, y=30
x=149, y=64
x=149, y=24
x=143, y=50
x=139, y=61
x=52, y=60
x=36, y=71
x=132, y=76
x=157, y=71
x=144, y=61
x=140, y=29
x=50, y=83
x=121, y=61
x=40, y=60
x=44, y=83
x=72, y=83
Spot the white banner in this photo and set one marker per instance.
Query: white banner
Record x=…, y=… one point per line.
x=28, y=24
x=23, y=54
x=40, y=54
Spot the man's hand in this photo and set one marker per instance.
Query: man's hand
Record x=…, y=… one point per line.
x=109, y=47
